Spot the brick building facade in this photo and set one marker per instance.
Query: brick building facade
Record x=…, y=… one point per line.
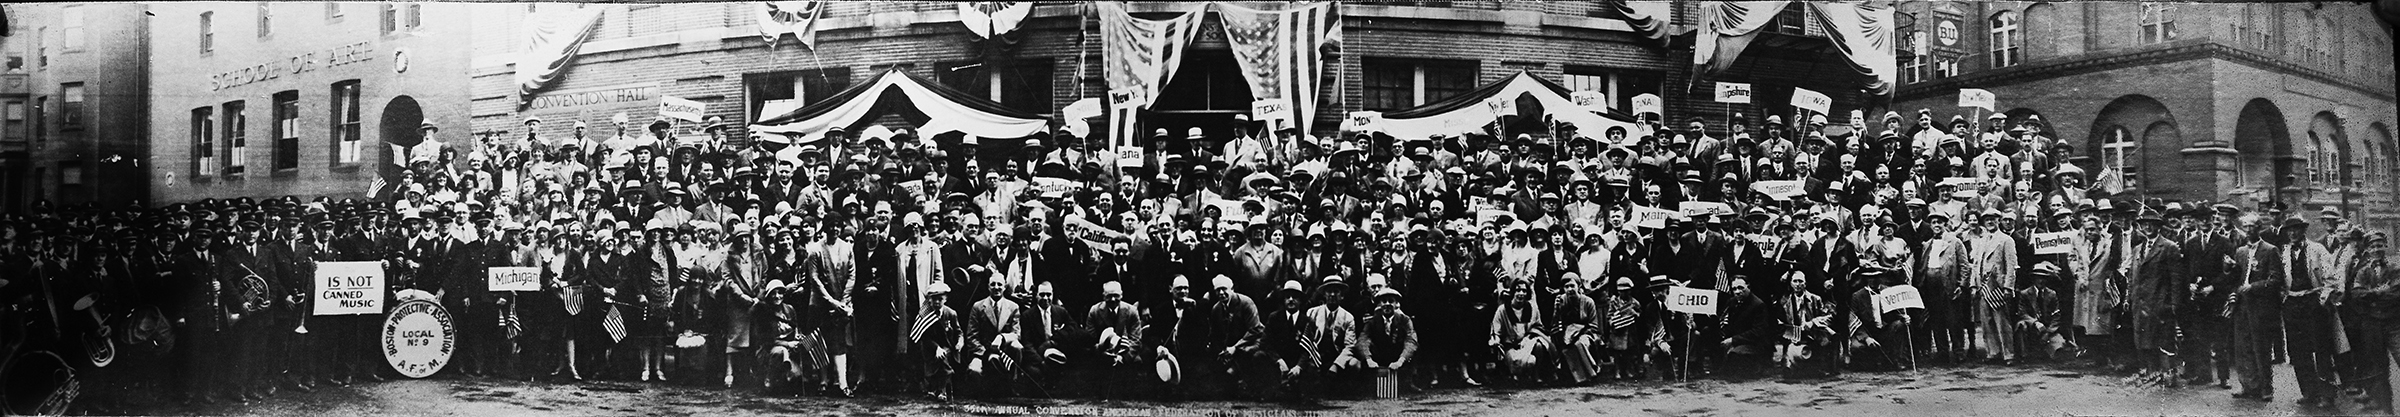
x=2237, y=102
x=1396, y=55
x=273, y=99
x=72, y=104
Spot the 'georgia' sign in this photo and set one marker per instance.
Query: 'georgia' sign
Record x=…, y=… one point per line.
x=418, y=338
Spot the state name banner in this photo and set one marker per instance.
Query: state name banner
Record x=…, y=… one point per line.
x=1779, y=190
x=1362, y=121
x=1811, y=100
x=1691, y=300
x=514, y=278
x=1978, y=98
x=915, y=190
x=1650, y=218
x=1899, y=297
x=2053, y=243
x=681, y=109
x=347, y=288
x=1649, y=103
x=1501, y=106
x=1092, y=232
x=1703, y=208
x=1594, y=101
x=1736, y=93
x=1272, y=109
x=1046, y=185
x=1963, y=182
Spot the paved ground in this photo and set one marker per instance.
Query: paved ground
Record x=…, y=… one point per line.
x=1962, y=391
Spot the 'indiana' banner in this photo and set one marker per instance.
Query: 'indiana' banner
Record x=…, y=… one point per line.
x=1141, y=55
x=1282, y=53
x=551, y=45
x=796, y=18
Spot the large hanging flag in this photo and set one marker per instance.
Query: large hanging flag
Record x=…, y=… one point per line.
x=1863, y=33
x=1141, y=55
x=1282, y=53
x=993, y=18
x=551, y=45
x=796, y=18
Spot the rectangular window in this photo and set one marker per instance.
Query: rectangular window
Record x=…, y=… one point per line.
x=15, y=131
x=208, y=31
x=1393, y=84
x=1388, y=85
x=266, y=17
x=287, y=130
x=2006, y=37
x=1026, y=86
x=71, y=117
x=73, y=22
x=41, y=45
x=1443, y=79
x=771, y=94
x=391, y=18
x=204, y=141
x=2158, y=22
x=237, y=138
x=412, y=16
x=345, y=123
x=1620, y=85
x=333, y=11
x=70, y=173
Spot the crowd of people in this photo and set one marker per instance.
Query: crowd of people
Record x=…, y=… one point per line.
x=1261, y=264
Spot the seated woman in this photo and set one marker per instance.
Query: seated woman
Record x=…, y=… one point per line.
x=1517, y=335
x=796, y=362
x=1581, y=328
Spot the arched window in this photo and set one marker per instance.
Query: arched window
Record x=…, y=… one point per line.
x=2120, y=152
x=2007, y=39
x=2318, y=156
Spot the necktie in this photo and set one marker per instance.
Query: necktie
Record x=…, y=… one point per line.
x=2300, y=275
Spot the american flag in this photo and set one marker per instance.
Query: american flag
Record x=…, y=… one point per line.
x=925, y=323
x=1141, y=56
x=1282, y=53
x=375, y=187
x=572, y=298
x=614, y=323
x=509, y=321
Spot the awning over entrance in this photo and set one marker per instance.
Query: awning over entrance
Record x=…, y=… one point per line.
x=932, y=108
x=1534, y=96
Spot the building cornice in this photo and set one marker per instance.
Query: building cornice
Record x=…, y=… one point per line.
x=2112, y=60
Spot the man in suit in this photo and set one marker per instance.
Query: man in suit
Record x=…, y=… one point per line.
x=1120, y=329
x=1328, y=332
x=992, y=346
x=2308, y=287
x=1043, y=324
x=1236, y=337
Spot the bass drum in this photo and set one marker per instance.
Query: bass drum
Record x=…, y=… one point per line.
x=38, y=384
